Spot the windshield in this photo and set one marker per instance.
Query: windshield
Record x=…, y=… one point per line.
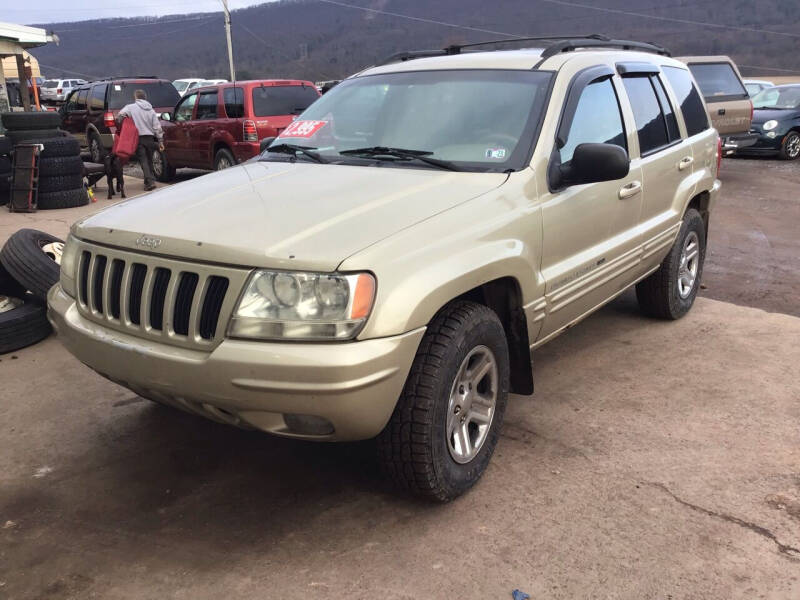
x=478, y=119
x=282, y=99
x=180, y=85
x=159, y=94
x=778, y=97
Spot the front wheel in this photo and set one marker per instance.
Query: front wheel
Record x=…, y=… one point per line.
x=447, y=421
x=670, y=292
x=96, y=149
x=790, y=148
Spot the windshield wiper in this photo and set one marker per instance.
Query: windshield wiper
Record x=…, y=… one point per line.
x=294, y=149
x=394, y=153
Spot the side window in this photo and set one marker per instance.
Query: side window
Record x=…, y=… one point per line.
x=669, y=115
x=183, y=112
x=98, y=97
x=207, y=106
x=70, y=103
x=597, y=119
x=234, y=102
x=80, y=102
x=647, y=114
x=694, y=113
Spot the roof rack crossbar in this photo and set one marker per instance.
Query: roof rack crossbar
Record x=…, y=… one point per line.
x=562, y=43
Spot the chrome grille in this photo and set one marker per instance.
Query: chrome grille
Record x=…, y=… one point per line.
x=177, y=302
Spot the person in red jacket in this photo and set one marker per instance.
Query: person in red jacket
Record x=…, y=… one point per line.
x=150, y=133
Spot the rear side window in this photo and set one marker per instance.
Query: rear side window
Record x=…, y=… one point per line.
x=50, y=83
x=234, y=102
x=207, y=106
x=717, y=79
x=597, y=119
x=282, y=99
x=694, y=113
x=160, y=94
x=98, y=97
x=669, y=114
x=650, y=123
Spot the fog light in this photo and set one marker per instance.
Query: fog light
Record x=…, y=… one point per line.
x=308, y=424
x=771, y=134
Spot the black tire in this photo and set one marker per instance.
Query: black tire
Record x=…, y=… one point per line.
x=5, y=166
x=96, y=149
x=63, y=199
x=59, y=183
x=10, y=286
x=61, y=145
x=162, y=170
x=24, y=325
x=223, y=159
x=23, y=258
x=16, y=121
x=413, y=446
x=790, y=147
x=659, y=294
x=60, y=165
x=6, y=146
x=31, y=135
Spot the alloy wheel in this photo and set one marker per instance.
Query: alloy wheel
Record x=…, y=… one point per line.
x=690, y=262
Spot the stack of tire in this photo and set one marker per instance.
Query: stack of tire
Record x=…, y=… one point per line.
x=60, y=164
x=5, y=170
x=29, y=267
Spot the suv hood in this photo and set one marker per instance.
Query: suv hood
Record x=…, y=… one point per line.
x=283, y=215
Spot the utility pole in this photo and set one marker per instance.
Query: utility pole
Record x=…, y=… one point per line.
x=228, y=34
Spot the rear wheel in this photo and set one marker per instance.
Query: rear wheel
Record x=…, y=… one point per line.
x=223, y=159
x=447, y=421
x=790, y=148
x=96, y=149
x=669, y=293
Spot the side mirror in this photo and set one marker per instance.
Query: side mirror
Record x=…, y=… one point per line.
x=265, y=143
x=166, y=116
x=592, y=163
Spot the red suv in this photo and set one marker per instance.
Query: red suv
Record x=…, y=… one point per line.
x=219, y=126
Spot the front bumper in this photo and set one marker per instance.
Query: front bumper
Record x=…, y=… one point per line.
x=735, y=143
x=765, y=144
x=352, y=386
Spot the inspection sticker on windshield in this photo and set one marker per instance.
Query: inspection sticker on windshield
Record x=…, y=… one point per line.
x=302, y=129
x=496, y=153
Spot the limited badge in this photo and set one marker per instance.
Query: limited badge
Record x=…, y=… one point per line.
x=302, y=129
x=496, y=153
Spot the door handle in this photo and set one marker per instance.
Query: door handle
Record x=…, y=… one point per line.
x=685, y=162
x=630, y=189
x=721, y=111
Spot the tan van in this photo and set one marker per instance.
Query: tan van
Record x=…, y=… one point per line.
x=388, y=264
x=729, y=104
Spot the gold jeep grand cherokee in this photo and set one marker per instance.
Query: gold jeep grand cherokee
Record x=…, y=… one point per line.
x=386, y=266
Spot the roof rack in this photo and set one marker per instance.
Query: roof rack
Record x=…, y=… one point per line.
x=562, y=43
x=126, y=77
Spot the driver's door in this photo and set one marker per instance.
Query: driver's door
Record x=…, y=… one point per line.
x=590, y=236
x=176, y=134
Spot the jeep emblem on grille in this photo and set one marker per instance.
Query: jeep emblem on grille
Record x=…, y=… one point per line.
x=149, y=242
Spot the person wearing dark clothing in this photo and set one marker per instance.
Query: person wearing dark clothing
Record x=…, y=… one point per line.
x=151, y=136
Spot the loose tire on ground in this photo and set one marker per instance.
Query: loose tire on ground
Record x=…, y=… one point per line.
x=31, y=136
x=60, y=165
x=790, y=148
x=162, y=170
x=59, y=183
x=24, y=258
x=6, y=146
x=9, y=285
x=415, y=447
x=60, y=145
x=16, y=121
x=665, y=294
x=23, y=321
x=63, y=199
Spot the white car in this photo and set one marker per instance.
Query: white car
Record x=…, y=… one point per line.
x=57, y=90
x=754, y=86
x=186, y=85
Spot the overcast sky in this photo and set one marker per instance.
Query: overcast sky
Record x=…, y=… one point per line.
x=27, y=12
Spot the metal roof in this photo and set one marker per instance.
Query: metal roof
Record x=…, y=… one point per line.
x=24, y=36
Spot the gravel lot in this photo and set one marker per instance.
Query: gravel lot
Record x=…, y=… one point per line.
x=655, y=460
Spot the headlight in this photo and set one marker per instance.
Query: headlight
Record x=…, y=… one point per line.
x=303, y=306
x=770, y=125
x=69, y=266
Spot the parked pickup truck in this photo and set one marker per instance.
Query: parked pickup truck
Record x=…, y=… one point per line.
x=728, y=101
x=218, y=126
